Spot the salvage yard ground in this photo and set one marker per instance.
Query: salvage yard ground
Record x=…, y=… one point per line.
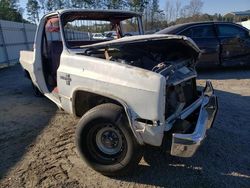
x=37, y=142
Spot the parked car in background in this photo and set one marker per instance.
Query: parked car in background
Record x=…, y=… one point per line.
x=110, y=34
x=221, y=43
x=98, y=36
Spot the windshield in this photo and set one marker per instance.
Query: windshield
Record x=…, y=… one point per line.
x=83, y=29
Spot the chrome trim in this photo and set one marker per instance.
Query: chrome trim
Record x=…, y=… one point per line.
x=190, y=109
x=66, y=97
x=170, y=121
x=185, y=145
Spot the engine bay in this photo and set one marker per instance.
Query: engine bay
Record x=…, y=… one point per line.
x=157, y=56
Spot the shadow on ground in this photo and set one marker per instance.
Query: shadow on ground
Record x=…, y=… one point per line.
x=22, y=117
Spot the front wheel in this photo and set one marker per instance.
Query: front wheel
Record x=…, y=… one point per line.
x=106, y=142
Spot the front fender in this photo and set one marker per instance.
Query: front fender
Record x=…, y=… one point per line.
x=127, y=109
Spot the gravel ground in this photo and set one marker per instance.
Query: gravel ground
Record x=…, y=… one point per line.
x=37, y=142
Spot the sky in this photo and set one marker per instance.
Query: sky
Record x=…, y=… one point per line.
x=209, y=6
x=217, y=6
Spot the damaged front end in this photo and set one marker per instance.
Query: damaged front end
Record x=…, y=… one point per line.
x=202, y=113
x=187, y=113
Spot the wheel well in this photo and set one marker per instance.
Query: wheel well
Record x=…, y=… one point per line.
x=84, y=101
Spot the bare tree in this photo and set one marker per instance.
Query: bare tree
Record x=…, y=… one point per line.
x=195, y=7
x=184, y=12
x=169, y=11
x=177, y=8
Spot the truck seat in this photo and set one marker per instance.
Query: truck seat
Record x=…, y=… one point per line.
x=55, y=49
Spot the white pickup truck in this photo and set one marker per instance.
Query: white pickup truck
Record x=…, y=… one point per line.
x=128, y=91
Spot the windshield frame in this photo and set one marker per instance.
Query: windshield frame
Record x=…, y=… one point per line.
x=124, y=15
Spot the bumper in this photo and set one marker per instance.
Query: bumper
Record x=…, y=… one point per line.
x=185, y=145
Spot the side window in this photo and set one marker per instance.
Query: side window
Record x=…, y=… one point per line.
x=199, y=32
x=203, y=31
x=187, y=33
x=230, y=31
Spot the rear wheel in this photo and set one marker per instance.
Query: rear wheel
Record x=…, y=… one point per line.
x=105, y=141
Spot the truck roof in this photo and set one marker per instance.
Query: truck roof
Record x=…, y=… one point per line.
x=113, y=12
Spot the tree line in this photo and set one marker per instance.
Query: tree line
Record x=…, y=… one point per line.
x=154, y=16
x=10, y=10
x=35, y=7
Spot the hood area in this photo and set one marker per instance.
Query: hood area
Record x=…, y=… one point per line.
x=146, y=38
x=150, y=52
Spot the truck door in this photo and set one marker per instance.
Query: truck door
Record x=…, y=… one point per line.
x=51, y=52
x=204, y=36
x=51, y=49
x=235, y=44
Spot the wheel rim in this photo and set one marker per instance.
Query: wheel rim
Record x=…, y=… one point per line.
x=109, y=140
x=105, y=151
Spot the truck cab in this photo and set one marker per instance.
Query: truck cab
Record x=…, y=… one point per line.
x=128, y=90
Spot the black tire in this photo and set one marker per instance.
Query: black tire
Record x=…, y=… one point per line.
x=36, y=91
x=117, y=151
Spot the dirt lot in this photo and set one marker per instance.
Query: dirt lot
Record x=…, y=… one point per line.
x=37, y=142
